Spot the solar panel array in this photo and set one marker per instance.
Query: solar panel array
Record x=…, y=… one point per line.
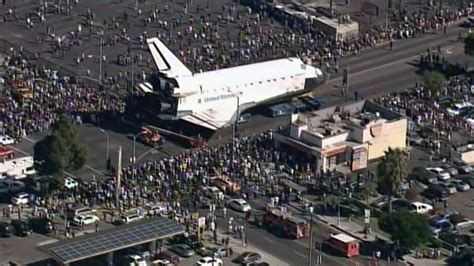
x=114, y=239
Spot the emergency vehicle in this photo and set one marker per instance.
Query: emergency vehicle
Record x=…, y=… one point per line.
x=282, y=221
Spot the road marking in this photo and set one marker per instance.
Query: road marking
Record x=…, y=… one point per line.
x=93, y=169
x=299, y=254
x=20, y=151
x=376, y=67
x=267, y=239
x=29, y=139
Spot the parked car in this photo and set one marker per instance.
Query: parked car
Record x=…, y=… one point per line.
x=213, y=192
x=209, y=261
x=461, y=185
x=460, y=222
x=423, y=175
x=135, y=260
x=21, y=198
x=468, y=179
x=190, y=240
x=21, y=227
x=414, y=139
x=239, y=205
x=463, y=168
x=128, y=218
x=11, y=186
x=451, y=170
x=6, y=229
x=221, y=252
x=155, y=209
x=449, y=186
x=436, y=192
x=247, y=257
x=453, y=241
x=74, y=211
x=6, y=140
x=441, y=228
x=85, y=219
x=440, y=173
x=182, y=250
x=165, y=258
x=40, y=225
x=205, y=251
x=70, y=183
x=421, y=208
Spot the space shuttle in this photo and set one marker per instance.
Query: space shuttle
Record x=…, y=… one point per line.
x=215, y=99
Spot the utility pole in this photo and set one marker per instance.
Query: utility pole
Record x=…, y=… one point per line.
x=100, y=57
x=386, y=19
x=234, y=136
x=119, y=174
x=310, y=255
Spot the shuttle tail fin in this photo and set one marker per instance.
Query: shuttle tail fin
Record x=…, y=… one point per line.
x=166, y=62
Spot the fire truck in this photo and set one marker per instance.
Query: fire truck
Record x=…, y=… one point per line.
x=282, y=221
x=151, y=137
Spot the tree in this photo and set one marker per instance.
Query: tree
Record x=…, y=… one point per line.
x=469, y=44
x=391, y=171
x=408, y=229
x=60, y=150
x=434, y=82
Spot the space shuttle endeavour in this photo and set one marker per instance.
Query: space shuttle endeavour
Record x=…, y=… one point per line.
x=210, y=99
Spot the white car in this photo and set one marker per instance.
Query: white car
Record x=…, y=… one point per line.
x=458, y=107
x=136, y=260
x=70, y=183
x=449, y=186
x=461, y=185
x=209, y=261
x=85, y=219
x=21, y=199
x=440, y=173
x=213, y=192
x=239, y=205
x=6, y=140
x=420, y=207
x=129, y=218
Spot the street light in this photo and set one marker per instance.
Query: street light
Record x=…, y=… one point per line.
x=107, y=149
x=310, y=257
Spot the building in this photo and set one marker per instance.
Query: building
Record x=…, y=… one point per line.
x=339, y=28
x=349, y=135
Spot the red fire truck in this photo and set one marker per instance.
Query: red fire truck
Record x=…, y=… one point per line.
x=345, y=245
x=282, y=221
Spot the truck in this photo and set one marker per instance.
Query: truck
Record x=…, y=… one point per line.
x=279, y=220
x=151, y=137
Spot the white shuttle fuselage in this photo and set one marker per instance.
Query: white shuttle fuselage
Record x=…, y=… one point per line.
x=210, y=99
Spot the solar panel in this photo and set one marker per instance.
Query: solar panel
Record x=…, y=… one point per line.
x=116, y=238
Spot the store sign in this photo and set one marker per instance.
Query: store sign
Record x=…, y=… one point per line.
x=376, y=129
x=359, y=159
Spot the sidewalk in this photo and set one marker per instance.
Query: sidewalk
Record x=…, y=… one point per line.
x=351, y=228
x=237, y=247
x=410, y=260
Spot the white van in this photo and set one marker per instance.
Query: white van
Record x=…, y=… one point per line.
x=421, y=208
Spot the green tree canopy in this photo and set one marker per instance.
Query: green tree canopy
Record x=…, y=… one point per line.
x=391, y=171
x=60, y=150
x=469, y=44
x=408, y=229
x=434, y=81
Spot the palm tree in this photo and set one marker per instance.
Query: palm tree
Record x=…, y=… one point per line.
x=391, y=171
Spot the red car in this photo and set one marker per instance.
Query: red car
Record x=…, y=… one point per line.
x=6, y=153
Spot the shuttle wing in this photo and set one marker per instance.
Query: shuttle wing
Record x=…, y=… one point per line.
x=166, y=62
x=211, y=118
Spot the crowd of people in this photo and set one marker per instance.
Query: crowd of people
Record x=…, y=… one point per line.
x=32, y=97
